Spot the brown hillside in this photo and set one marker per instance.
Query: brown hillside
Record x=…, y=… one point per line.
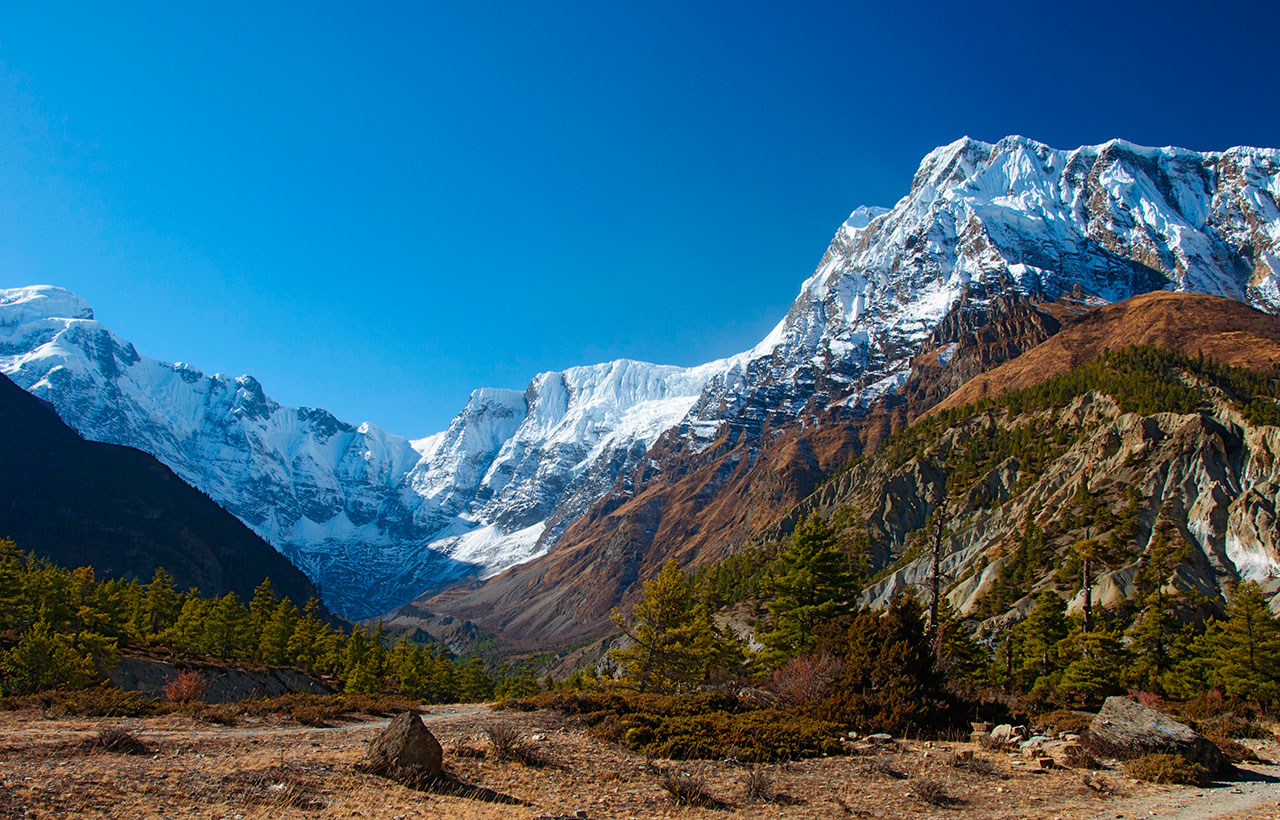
x=1191, y=323
x=696, y=507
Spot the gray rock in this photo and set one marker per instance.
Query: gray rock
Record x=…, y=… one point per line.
x=1002, y=734
x=1125, y=730
x=880, y=738
x=406, y=752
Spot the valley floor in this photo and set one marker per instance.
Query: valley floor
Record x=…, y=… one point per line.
x=263, y=769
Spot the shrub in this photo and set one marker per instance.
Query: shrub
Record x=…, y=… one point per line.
x=759, y=786
x=1063, y=720
x=760, y=737
x=188, y=686
x=710, y=726
x=806, y=679
x=221, y=715
x=98, y=701
x=977, y=764
x=933, y=792
x=687, y=789
x=1165, y=768
x=1235, y=751
x=505, y=741
x=120, y=741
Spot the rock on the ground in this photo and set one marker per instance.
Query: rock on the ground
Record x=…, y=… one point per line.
x=406, y=751
x=1126, y=729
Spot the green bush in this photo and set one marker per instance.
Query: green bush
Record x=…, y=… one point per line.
x=1062, y=720
x=703, y=726
x=1164, y=768
x=98, y=701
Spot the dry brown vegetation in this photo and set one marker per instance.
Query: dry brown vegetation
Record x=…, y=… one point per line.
x=269, y=767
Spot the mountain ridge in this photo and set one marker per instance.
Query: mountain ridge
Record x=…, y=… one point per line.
x=379, y=518
x=120, y=511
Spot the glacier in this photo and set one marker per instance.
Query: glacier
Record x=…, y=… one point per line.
x=375, y=518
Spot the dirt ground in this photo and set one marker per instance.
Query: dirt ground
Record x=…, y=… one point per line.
x=49, y=768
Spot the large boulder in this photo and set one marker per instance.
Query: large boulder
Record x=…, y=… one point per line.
x=406, y=752
x=1126, y=730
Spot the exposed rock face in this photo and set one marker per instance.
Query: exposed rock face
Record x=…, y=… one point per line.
x=376, y=518
x=406, y=752
x=1220, y=500
x=226, y=684
x=1126, y=730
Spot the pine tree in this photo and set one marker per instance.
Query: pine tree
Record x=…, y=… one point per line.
x=228, y=632
x=262, y=605
x=43, y=659
x=11, y=597
x=1247, y=647
x=276, y=634
x=1039, y=636
x=1095, y=663
x=813, y=585
x=675, y=641
x=306, y=644
x=161, y=605
x=890, y=682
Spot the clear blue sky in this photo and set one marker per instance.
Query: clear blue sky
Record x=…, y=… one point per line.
x=377, y=207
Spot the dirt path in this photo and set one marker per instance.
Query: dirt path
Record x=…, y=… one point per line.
x=439, y=714
x=1255, y=796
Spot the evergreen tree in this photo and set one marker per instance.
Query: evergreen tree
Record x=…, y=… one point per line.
x=262, y=605
x=1039, y=636
x=276, y=634
x=1247, y=647
x=890, y=682
x=675, y=641
x=11, y=597
x=1095, y=663
x=43, y=659
x=475, y=684
x=306, y=645
x=227, y=632
x=812, y=586
x=162, y=605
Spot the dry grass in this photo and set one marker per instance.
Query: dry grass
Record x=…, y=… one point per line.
x=267, y=766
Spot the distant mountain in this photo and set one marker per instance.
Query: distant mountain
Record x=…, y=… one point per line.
x=614, y=463
x=119, y=510
x=993, y=248
x=372, y=517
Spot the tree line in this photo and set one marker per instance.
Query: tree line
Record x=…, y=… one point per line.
x=65, y=628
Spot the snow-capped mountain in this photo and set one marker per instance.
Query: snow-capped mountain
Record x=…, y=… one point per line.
x=1111, y=220
x=375, y=518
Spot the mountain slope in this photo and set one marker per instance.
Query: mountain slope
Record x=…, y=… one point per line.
x=82, y=503
x=1171, y=462
x=373, y=517
x=984, y=229
x=377, y=518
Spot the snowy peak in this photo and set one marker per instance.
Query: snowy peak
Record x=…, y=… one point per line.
x=376, y=518
x=373, y=517
x=43, y=302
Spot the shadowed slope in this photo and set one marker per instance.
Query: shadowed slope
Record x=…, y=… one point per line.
x=83, y=503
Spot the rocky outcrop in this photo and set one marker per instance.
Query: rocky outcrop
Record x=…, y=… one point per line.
x=224, y=684
x=984, y=230
x=1125, y=729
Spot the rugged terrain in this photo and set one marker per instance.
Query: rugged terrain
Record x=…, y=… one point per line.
x=985, y=232
x=270, y=769
x=84, y=503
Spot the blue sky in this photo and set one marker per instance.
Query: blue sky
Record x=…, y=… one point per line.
x=375, y=208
